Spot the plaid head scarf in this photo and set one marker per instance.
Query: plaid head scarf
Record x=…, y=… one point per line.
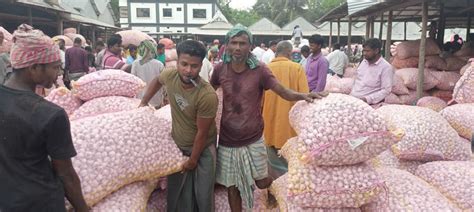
x=252, y=61
x=31, y=46
x=147, y=50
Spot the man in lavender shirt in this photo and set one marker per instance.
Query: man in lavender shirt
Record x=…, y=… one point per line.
x=374, y=74
x=317, y=65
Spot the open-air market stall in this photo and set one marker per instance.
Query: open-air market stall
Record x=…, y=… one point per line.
x=447, y=14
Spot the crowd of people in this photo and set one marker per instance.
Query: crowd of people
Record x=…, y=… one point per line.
x=36, y=153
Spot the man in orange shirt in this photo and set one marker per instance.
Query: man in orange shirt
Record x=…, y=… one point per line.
x=275, y=109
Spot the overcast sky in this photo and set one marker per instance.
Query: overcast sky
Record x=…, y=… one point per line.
x=242, y=4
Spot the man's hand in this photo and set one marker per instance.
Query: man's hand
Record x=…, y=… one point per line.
x=189, y=165
x=309, y=97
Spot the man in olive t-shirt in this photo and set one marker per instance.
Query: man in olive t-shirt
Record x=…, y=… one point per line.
x=193, y=109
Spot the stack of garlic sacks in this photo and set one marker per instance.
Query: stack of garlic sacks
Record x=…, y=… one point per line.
x=327, y=169
x=122, y=150
x=333, y=163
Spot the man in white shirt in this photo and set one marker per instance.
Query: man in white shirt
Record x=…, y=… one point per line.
x=270, y=53
x=258, y=52
x=297, y=35
x=206, y=70
x=338, y=61
x=147, y=68
x=305, y=52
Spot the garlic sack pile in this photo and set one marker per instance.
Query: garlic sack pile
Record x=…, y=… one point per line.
x=388, y=160
x=341, y=130
x=279, y=189
x=335, y=84
x=464, y=88
x=332, y=186
x=133, y=197
x=407, y=192
x=410, y=77
x=461, y=118
x=64, y=98
x=398, y=86
x=109, y=82
x=454, y=179
x=447, y=79
x=126, y=147
x=408, y=49
x=431, y=102
x=108, y=104
x=428, y=136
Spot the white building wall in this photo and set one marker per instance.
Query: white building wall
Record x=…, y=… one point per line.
x=192, y=20
x=171, y=29
x=124, y=20
x=123, y=3
x=145, y=29
x=193, y=29
x=177, y=16
x=133, y=11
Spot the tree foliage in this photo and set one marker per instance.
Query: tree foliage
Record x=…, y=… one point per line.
x=280, y=12
x=245, y=17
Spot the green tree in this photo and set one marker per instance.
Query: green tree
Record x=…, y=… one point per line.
x=245, y=17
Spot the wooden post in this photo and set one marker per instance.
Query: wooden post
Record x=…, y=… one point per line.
x=30, y=16
x=93, y=36
x=468, y=30
x=405, y=30
x=441, y=25
x=78, y=28
x=367, y=28
x=421, y=62
x=60, y=24
x=349, y=36
x=469, y=22
x=339, y=31
x=330, y=36
x=106, y=35
x=381, y=28
x=372, y=27
x=388, y=41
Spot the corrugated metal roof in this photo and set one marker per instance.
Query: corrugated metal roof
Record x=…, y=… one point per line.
x=264, y=25
x=85, y=20
x=43, y=4
x=304, y=24
x=354, y=6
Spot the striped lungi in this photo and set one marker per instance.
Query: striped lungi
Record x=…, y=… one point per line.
x=241, y=167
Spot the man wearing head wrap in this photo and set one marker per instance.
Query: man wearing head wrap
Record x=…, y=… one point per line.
x=242, y=157
x=36, y=147
x=148, y=68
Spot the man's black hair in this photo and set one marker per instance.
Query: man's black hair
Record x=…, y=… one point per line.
x=337, y=46
x=305, y=48
x=77, y=41
x=193, y=48
x=273, y=43
x=132, y=47
x=114, y=39
x=373, y=43
x=316, y=39
x=88, y=48
x=160, y=46
x=99, y=43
